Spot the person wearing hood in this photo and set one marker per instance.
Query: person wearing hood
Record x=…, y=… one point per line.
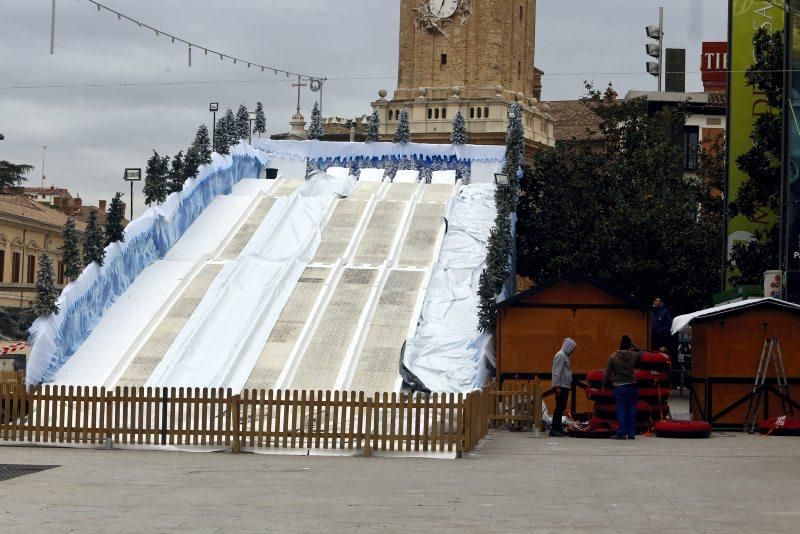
x=562, y=383
x=621, y=372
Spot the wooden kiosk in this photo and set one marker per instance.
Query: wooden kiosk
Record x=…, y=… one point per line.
x=532, y=325
x=727, y=342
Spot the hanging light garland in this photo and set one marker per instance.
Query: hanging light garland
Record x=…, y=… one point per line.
x=189, y=45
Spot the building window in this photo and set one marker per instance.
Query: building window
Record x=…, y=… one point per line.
x=444, y=113
x=471, y=113
x=390, y=114
x=16, y=263
x=486, y=113
x=444, y=59
x=430, y=113
x=60, y=273
x=691, y=139
x=31, y=269
x=2, y=265
x=521, y=13
x=436, y=114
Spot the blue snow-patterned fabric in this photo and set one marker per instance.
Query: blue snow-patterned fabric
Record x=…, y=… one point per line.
x=55, y=338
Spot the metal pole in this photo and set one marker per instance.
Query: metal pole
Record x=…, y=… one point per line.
x=43, y=150
x=53, y=28
x=213, y=131
x=660, y=45
x=131, y=199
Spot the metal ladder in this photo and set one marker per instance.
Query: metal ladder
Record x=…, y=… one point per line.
x=770, y=352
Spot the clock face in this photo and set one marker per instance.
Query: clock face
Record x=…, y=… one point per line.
x=442, y=9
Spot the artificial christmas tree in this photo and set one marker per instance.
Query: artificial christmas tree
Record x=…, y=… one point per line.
x=459, y=135
x=242, y=124
x=115, y=231
x=373, y=127
x=316, y=130
x=93, y=240
x=260, y=126
x=46, y=292
x=176, y=175
x=70, y=254
x=403, y=133
x=155, y=180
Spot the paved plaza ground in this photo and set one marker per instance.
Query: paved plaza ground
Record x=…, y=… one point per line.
x=512, y=483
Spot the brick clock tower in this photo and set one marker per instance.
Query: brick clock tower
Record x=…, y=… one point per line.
x=473, y=56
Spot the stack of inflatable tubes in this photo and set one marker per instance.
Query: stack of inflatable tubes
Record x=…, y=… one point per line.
x=596, y=428
x=785, y=425
x=653, y=379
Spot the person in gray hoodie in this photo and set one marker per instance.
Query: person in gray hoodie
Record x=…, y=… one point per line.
x=562, y=383
x=621, y=370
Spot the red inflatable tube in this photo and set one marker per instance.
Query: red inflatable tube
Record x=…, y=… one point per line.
x=655, y=360
x=652, y=395
x=597, y=429
x=785, y=425
x=644, y=378
x=669, y=428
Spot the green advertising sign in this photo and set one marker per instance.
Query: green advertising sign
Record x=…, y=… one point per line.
x=745, y=104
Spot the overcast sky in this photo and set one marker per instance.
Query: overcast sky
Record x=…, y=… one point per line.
x=93, y=133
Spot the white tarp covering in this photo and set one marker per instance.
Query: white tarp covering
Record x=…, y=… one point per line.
x=222, y=340
x=447, y=350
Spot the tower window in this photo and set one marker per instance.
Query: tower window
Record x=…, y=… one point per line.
x=444, y=113
x=471, y=113
x=486, y=113
x=479, y=113
x=444, y=59
x=521, y=13
x=437, y=113
x=430, y=113
x=390, y=114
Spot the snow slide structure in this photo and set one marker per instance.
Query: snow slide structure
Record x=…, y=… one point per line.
x=310, y=283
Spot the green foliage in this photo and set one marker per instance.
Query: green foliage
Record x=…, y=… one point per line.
x=177, y=174
x=260, y=125
x=403, y=132
x=762, y=163
x=11, y=175
x=499, y=245
x=202, y=146
x=242, y=128
x=625, y=214
x=155, y=179
x=373, y=128
x=225, y=133
x=70, y=254
x=459, y=136
x=93, y=241
x=316, y=129
x=115, y=231
x=46, y=292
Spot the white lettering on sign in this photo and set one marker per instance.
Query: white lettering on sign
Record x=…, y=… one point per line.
x=716, y=60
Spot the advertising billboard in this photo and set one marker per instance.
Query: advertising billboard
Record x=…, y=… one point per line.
x=745, y=104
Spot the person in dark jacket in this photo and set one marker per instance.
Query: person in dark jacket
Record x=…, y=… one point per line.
x=661, y=324
x=562, y=383
x=621, y=372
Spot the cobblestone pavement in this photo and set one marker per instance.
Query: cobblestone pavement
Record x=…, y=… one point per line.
x=512, y=483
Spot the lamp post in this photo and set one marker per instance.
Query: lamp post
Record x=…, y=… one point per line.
x=132, y=175
x=251, y=116
x=654, y=68
x=213, y=107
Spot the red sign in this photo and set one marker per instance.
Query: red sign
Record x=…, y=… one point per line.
x=714, y=66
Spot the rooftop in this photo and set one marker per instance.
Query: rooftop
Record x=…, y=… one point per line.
x=573, y=119
x=21, y=206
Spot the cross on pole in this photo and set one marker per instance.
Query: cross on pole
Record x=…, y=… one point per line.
x=299, y=85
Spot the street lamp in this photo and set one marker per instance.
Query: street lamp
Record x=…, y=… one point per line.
x=132, y=175
x=501, y=179
x=251, y=116
x=213, y=107
x=656, y=50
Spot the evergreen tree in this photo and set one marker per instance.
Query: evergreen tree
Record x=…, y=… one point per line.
x=70, y=254
x=202, y=146
x=260, y=126
x=115, y=231
x=221, y=144
x=459, y=135
x=177, y=174
x=373, y=128
x=403, y=133
x=46, y=293
x=231, y=129
x=760, y=193
x=190, y=163
x=242, y=124
x=11, y=175
x=93, y=240
x=155, y=180
x=624, y=213
x=316, y=129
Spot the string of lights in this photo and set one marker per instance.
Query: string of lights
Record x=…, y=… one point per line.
x=206, y=50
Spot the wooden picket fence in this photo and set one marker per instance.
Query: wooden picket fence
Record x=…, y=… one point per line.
x=255, y=419
x=518, y=406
